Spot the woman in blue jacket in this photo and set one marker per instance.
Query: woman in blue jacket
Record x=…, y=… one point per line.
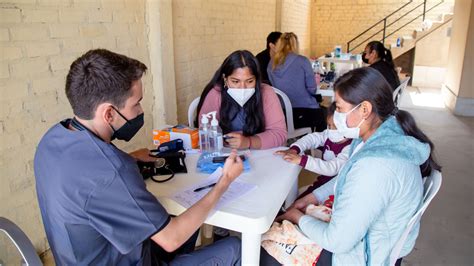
x=380, y=187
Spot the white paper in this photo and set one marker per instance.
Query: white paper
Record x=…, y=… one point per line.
x=188, y=197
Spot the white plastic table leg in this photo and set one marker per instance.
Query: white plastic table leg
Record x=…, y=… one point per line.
x=251, y=248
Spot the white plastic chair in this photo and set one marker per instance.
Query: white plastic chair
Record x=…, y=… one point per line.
x=191, y=111
x=431, y=187
x=292, y=132
x=21, y=241
x=399, y=90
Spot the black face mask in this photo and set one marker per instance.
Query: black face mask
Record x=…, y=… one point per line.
x=365, y=60
x=129, y=129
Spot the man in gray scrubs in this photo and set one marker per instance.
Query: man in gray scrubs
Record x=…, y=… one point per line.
x=95, y=206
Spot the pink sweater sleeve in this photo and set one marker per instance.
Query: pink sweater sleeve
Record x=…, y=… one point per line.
x=275, y=133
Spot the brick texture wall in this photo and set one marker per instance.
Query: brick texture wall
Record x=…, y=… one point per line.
x=206, y=31
x=336, y=22
x=296, y=17
x=39, y=39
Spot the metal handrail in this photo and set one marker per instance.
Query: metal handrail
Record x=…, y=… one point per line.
x=404, y=15
x=369, y=28
x=424, y=12
x=385, y=26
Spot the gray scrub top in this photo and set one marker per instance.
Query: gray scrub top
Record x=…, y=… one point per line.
x=95, y=206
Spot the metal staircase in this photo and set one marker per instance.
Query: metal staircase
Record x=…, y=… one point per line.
x=401, y=29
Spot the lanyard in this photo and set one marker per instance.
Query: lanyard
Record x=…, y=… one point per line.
x=78, y=126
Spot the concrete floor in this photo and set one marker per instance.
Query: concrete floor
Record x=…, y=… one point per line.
x=447, y=226
x=447, y=230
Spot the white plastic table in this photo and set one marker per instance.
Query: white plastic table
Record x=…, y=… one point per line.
x=329, y=92
x=251, y=214
x=354, y=63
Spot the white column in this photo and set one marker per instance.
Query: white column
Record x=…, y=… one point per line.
x=160, y=45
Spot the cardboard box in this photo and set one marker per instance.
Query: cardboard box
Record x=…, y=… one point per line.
x=190, y=136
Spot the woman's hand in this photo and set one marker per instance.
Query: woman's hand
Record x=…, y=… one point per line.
x=292, y=158
x=293, y=215
x=302, y=203
x=237, y=141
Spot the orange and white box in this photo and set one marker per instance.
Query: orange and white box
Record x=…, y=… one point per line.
x=190, y=136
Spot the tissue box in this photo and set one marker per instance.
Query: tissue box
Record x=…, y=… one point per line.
x=190, y=136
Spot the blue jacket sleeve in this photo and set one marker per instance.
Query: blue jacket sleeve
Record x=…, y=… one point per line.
x=309, y=76
x=364, y=197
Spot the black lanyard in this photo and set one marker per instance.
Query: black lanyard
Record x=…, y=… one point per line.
x=78, y=126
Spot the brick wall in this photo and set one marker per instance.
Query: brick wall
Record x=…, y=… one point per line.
x=336, y=22
x=206, y=31
x=296, y=17
x=39, y=39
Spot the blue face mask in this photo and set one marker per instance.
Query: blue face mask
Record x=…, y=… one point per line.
x=129, y=129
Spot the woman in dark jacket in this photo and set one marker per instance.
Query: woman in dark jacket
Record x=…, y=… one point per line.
x=380, y=58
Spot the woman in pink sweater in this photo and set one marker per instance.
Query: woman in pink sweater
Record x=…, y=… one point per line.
x=249, y=112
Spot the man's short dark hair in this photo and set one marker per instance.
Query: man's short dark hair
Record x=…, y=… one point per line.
x=273, y=38
x=101, y=76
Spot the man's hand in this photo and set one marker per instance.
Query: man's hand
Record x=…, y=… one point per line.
x=237, y=141
x=142, y=155
x=233, y=167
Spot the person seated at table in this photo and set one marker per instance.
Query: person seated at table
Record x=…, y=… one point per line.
x=249, y=111
x=380, y=187
x=264, y=56
x=94, y=203
x=380, y=58
x=292, y=73
x=334, y=147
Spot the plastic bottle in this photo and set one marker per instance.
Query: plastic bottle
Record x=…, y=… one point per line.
x=337, y=51
x=204, y=134
x=215, y=136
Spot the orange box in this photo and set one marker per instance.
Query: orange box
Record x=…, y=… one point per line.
x=189, y=136
x=161, y=136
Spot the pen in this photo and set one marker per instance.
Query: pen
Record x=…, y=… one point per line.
x=204, y=187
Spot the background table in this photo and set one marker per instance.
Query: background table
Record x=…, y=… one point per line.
x=251, y=214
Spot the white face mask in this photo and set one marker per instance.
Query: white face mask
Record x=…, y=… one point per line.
x=335, y=136
x=340, y=120
x=241, y=96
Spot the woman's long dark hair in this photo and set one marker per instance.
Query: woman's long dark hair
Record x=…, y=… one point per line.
x=382, y=52
x=367, y=84
x=254, y=121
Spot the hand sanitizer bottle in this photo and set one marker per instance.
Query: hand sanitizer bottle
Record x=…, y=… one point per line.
x=204, y=134
x=215, y=136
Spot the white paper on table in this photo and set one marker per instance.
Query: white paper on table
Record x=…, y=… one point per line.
x=188, y=197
